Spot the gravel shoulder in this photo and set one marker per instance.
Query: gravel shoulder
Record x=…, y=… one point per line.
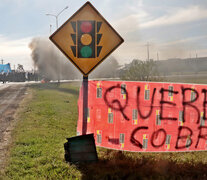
x=11, y=98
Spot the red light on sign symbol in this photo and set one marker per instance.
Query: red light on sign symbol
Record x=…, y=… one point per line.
x=86, y=27
x=86, y=39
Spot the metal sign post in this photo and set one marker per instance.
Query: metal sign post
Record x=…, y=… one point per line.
x=85, y=104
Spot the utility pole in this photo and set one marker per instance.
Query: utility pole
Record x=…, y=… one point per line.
x=148, y=45
x=2, y=61
x=157, y=56
x=50, y=29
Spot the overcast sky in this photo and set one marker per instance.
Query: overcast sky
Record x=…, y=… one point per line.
x=173, y=28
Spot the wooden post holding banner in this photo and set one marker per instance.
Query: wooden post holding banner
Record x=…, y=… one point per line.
x=85, y=104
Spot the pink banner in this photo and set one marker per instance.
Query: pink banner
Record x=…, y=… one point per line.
x=146, y=116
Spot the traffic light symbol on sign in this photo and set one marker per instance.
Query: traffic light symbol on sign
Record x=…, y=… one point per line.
x=86, y=39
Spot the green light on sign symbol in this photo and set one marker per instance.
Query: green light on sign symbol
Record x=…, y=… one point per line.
x=86, y=51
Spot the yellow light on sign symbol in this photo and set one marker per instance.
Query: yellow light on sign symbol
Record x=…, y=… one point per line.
x=86, y=39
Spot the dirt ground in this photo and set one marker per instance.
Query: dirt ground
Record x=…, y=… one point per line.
x=10, y=99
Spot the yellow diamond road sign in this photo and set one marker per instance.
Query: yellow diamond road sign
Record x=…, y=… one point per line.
x=86, y=38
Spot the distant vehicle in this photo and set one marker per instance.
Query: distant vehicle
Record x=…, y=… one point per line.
x=45, y=80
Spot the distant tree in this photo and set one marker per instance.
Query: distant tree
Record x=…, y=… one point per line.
x=139, y=70
x=20, y=68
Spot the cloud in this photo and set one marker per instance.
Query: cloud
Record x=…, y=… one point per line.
x=127, y=24
x=130, y=23
x=10, y=47
x=134, y=5
x=190, y=14
x=16, y=51
x=142, y=19
x=189, y=40
x=183, y=48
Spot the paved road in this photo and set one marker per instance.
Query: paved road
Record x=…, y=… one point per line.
x=10, y=97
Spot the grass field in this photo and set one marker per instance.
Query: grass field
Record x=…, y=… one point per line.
x=50, y=117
